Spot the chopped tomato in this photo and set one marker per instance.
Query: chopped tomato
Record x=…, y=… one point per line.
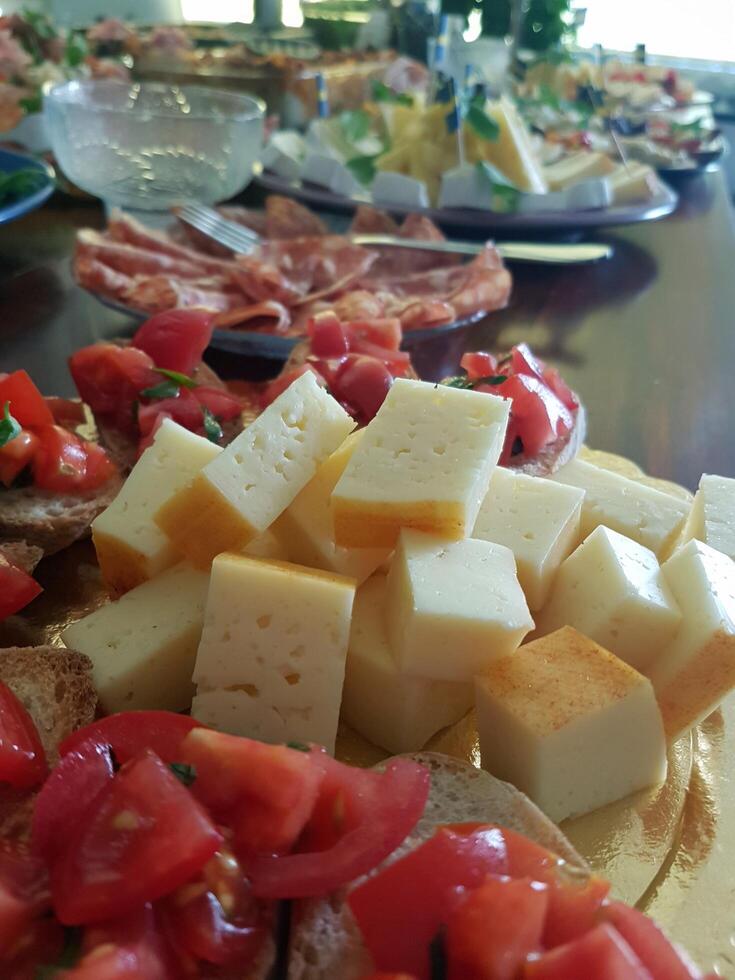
x=283, y=381
x=495, y=929
x=363, y=384
x=221, y=403
x=130, y=732
x=27, y=404
x=147, y=440
x=24, y=892
x=401, y=909
x=327, y=335
x=100, y=467
x=128, y=948
x=17, y=588
x=659, y=956
x=39, y=945
x=382, y=975
x=479, y=364
x=68, y=795
x=22, y=758
x=182, y=408
x=60, y=463
x=110, y=378
x=561, y=389
x=145, y=836
x=16, y=455
x=524, y=361
x=398, y=362
x=601, y=953
x=385, y=806
x=176, y=339
x=216, y=918
x=540, y=414
x=265, y=793
x=66, y=411
x=384, y=332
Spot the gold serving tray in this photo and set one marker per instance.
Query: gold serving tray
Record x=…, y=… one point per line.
x=669, y=850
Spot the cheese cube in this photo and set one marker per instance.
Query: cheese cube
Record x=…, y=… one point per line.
x=650, y=517
x=267, y=545
x=424, y=461
x=242, y=491
x=537, y=519
x=569, y=724
x=696, y=670
x=276, y=633
x=712, y=517
x=394, y=710
x=143, y=646
x=452, y=606
x=612, y=590
x=130, y=547
x=307, y=530
x=581, y=166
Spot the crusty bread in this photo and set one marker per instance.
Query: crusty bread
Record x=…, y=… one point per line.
x=558, y=453
x=22, y=554
x=325, y=942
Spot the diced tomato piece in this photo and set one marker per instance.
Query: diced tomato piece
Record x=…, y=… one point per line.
x=660, y=957
x=146, y=836
x=130, y=732
x=16, y=455
x=524, y=361
x=128, y=948
x=17, y=589
x=27, y=405
x=24, y=892
x=601, y=953
x=265, y=793
x=327, y=335
x=283, y=381
x=495, y=929
x=540, y=415
x=67, y=796
x=398, y=362
x=383, y=332
x=22, y=758
x=60, y=462
x=479, y=364
x=382, y=975
x=221, y=403
x=363, y=383
x=561, y=389
x=110, y=378
x=147, y=440
x=216, y=918
x=386, y=807
x=176, y=339
x=183, y=408
x=327, y=368
x=66, y=411
x=100, y=468
x=513, y=444
x=401, y=909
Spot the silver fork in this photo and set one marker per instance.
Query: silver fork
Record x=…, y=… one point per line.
x=244, y=241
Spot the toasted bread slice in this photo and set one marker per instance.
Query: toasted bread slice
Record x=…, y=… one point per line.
x=22, y=554
x=325, y=942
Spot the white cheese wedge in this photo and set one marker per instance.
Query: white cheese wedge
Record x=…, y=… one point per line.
x=326, y=171
x=633, y=182
x=648, y=516
x=580, y=166
x=424, y=461
x=452, y=606
x=241, y=492
x=513, y=152
x=464, y=187
x=696, y=670
x=306, y=528
x=612, y=590
x=587, y=195
x=143, y=646
x=284, y=154
x=712, y=517
x=537, y=519
x=392, y=189
x=569, y=724
x=276, y=633
x=130, y=547
x=397, y=711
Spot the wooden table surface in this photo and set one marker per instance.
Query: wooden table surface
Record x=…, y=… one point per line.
x=647, y=339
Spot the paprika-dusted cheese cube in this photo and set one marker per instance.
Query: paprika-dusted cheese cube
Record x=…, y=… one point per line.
x=275, y=634
x=569, y=724
x=452, y=606
x=612, y=590
x=130, y=547
x=537, y=519
x=648, y=516
x=696, y=670
x=306, y=528
x=712, y=517
x=143, y=646
x=397, y=711
x=424, y=462
x=241, y=492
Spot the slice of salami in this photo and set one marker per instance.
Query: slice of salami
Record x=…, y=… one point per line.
x=269, y=316
x=132, y=259
x=123, y=228
x=286, y=218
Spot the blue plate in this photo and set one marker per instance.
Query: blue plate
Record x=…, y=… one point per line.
x=9, y=163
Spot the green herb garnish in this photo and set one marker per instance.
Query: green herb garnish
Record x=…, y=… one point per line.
x=181, y=379
x=478, y=120
x=299, y=746
x=68, y=957
x=503, y=195
x=212, y=428
x=183, y=772
x=34, y=103
x=355, y=124
x=76, y=50
x=9, y=427
x=462, y=381
x=166, y=389
x=363, y=168
x=382, y=93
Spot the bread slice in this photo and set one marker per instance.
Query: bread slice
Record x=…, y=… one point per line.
x=325, y=942
x=21, y=554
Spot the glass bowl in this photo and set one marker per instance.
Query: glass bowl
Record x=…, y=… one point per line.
x=149, y=146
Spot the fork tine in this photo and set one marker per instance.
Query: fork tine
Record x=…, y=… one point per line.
x=216, y=220
x=206, y=220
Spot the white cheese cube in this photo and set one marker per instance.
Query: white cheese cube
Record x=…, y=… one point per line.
x=325, y=170
x=632, y=182
x=399, y=190
x=130, y=547
x=612, y=590
x=650, y=517
x=537, y=519
x=712, y=517
x=696, y=670
x=267, y=545
x=424, y=461
x=569, y=724
x=392, y=709
x=241, y=492
x=276, y=633
x=580, y=166
x=284, y=153
x=306, y=527
x=465, y=187
x=452, y=606
x=143, y=646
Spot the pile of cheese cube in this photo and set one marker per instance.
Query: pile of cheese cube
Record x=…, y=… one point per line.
x=390, y=576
